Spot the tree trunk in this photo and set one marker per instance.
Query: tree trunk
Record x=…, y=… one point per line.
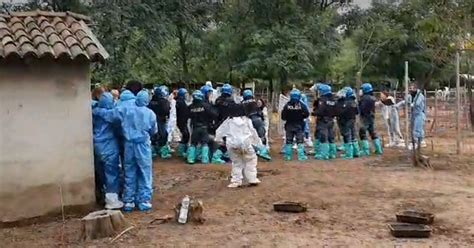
x=270, y=88
x=184, y=53
x=471, y=101
x=283, y=78
x=103, y=223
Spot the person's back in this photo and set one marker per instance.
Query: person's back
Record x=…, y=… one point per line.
x=227, y=107
x=239, y=133
x=294, y=113
x=326, y=107
x=138, y=124
x=201, y=114
x=161, y=107
x=182, y=111
x=127, y=99
x=103, y=129
x=367, y=106
x=350, y=109
x=107, y=150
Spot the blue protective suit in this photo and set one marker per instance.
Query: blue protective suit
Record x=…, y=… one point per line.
x=106, y=148
x=307, y=123
x=127, y=99
x=138, y=125
x=418, y=107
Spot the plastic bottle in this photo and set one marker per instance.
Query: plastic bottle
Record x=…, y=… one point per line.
x=183, y=212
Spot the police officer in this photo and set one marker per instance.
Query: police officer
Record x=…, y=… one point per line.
x=294, y=113
x=367, y=117
x=347, y=110
x=217, y=152
x=160, y=105
x=182, y=117
x=325, y=112
x=200, y=113
x=253, y=112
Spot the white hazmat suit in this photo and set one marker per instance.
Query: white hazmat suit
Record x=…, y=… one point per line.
x=241, y=138
x=391, y=117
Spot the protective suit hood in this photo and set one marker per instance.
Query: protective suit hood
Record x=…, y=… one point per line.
x=127, y=95
x=143, y=99
x=106, y=100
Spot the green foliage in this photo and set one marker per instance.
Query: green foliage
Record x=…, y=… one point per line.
x=281, y=41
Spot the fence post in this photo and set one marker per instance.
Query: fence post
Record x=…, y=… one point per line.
x=407, y=130
x=458, y=107
x=435, y=117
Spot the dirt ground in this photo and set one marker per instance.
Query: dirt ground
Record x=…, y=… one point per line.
x=350, y=205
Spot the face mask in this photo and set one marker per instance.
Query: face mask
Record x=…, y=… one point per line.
x=413, y=93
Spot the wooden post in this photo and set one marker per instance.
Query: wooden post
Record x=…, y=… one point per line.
x=458, y=107
x=435, y=117
x=407, y=124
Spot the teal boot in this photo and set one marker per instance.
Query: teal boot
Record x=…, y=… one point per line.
x=288, y=152
x=365, y=148
x=378, y=146
x=332, y=150
x=191, y=156
x=263, y=152
x=301, y=153
x=356, y=149
x=323, y=152
x=154, y=152
x=317, y=149
x=217, y=157
x=205, y=154
x=165, y=152
x=349, y=151
x=198, y=153
x=182, y=150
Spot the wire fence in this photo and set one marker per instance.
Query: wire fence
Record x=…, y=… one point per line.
x=440, y=127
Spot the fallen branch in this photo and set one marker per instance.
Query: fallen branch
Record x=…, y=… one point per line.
x=162, y=220
x=122, y=233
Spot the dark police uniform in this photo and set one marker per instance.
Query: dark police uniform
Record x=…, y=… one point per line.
x=347, y=110
x=325, y=112
x=294, y=114
x=367, y=116
x=253, y=112
x=202, y=114
x=182, y=117
x=161, y=107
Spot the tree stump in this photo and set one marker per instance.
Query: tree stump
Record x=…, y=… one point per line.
x=103, y=223
x=195, y=212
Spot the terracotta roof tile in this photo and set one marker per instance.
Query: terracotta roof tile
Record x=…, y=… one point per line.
x=49, y=34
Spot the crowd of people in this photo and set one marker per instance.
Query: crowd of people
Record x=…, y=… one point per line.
x=135, y=126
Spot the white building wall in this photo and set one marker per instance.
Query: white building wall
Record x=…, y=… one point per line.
x=45, y=139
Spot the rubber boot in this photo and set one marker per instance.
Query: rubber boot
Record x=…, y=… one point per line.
x=198, y=153
x=217, y=157
x=154, y=152
x=323, y=152
x=317, y=149
x=301, y=153
x=349, y=151
x=365, y=148
x=356, y=149
x=165, y=152
x=288, y=152
x=263, y=152
x=182, y=150
x=205, y=154
x=332, y=150
x=191, y=156
x=378, y=146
